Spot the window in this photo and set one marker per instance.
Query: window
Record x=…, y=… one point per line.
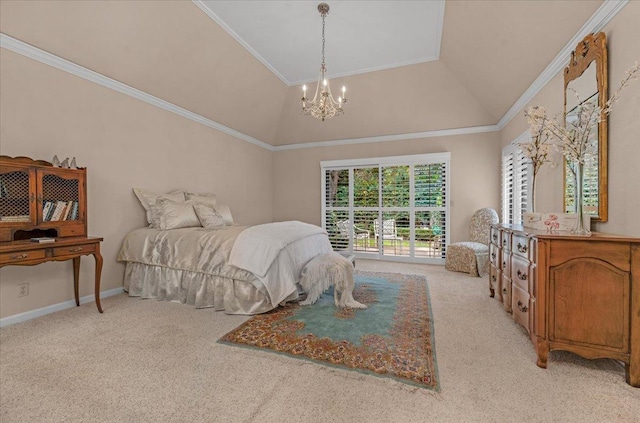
x=516, y=182
x=391, y=207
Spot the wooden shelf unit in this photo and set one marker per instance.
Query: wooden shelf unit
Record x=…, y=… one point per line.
x=40, y=200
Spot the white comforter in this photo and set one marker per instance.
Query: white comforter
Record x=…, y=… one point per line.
x=208, y=251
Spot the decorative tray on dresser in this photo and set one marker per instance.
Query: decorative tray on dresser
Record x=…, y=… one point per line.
x=41, y=202
x=572, y=293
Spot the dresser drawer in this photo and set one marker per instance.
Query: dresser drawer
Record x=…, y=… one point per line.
x=506, y=240
x=6, y=258
x=521, y=272
x=506, y=263
x=74, y=250
x=494, y=236
x=520, y=306
x=523, y=246
x=495, y=256
x=494, y=278
x=505, y=292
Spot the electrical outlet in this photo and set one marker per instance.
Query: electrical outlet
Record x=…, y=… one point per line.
x=23, y=289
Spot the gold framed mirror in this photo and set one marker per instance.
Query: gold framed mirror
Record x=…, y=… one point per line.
x=586, y=79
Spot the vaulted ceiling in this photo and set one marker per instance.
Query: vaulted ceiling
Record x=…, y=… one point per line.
x=238, y=63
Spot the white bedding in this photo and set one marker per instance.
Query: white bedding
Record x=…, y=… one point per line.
x=199, y=250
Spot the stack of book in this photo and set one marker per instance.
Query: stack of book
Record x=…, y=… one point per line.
x=43, y=239
x=59, y=210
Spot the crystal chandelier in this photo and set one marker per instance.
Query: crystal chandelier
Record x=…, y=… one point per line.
x=323, y=106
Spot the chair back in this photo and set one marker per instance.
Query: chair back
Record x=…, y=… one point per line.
x=389, y=230
x=480, y=225
x=343, y=227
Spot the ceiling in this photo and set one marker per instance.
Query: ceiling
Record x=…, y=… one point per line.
x=287, y=35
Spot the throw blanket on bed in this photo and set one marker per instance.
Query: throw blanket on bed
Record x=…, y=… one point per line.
x=257, y=247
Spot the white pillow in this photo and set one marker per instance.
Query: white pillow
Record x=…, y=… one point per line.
x=208, y=216
x=225, y=213
x=174, y=214
x=201, y=198
x=148, y=201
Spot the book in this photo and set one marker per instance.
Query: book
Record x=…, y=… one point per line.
x=57, y=214
x=43, y=239
x=67, y=210
x=46, y=208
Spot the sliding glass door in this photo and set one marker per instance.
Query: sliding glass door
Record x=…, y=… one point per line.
x=392, y=207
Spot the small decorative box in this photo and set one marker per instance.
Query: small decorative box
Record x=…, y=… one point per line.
x=553, y=222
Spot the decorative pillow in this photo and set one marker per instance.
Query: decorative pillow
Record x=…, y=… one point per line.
x=225, y=213
x=208, y=216
x=148, y=201
x=173, y=214
x=201, y=198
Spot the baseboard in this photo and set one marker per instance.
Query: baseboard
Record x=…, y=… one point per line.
x=28, y=315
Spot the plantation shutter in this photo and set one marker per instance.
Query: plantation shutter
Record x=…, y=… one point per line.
x=508, y=187
x=522, y=189
x=388, y=207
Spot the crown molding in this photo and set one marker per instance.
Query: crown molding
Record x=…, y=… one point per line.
x=596, y=22
x=57, y=62
x=202, y=6
x=386, y=138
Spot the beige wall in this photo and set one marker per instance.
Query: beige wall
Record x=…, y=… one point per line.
x=124, y=143
x=407, y=99
x=475, y=173
x=624, y=130
x=169, y=49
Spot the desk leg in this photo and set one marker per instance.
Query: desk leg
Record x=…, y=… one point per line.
x=76, y=279
x=98, y=258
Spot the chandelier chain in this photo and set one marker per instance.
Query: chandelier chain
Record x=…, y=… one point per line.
x=323, y=106
x=323, y=15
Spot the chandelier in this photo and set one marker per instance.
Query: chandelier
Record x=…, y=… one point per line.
x=323, y=106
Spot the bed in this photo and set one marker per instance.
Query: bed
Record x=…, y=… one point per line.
x=238, y=269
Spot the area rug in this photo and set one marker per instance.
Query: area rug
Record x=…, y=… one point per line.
x=392, y=338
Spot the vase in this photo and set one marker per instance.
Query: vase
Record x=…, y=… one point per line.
x=533, y=192
x=579, y=228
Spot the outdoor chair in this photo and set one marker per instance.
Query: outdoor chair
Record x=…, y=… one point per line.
x=389, y=231
x=358, y=234
x=473, y=256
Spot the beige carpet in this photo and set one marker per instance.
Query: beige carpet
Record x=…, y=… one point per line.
x=150, y=361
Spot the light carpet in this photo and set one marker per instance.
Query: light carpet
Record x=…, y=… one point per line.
x=153, y=361
x=392, y=337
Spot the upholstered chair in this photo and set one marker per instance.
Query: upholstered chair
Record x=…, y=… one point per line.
x=473, y=256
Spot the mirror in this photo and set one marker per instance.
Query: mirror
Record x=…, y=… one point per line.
x=585, y=80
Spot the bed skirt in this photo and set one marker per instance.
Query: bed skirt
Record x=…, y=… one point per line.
x=198, y=289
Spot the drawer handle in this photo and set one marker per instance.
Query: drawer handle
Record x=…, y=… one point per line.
x=21, y=256
x=522, y=276
x=493, y=256
x=504, y=291
x=495, y=236
x=523, y=308
x=75, y=250
x=504, y=264
x=493, y=278
x=504, y=242
x=522, y=248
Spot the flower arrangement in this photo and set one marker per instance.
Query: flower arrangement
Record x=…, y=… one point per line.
x=538, y=150
x=574, y=137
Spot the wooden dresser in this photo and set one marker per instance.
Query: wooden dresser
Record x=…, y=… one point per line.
x=578, y=294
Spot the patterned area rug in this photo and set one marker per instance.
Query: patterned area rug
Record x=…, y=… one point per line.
x=393, y=337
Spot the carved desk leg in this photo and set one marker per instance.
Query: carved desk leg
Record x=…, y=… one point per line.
x=98, y=258
x=76, y=279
